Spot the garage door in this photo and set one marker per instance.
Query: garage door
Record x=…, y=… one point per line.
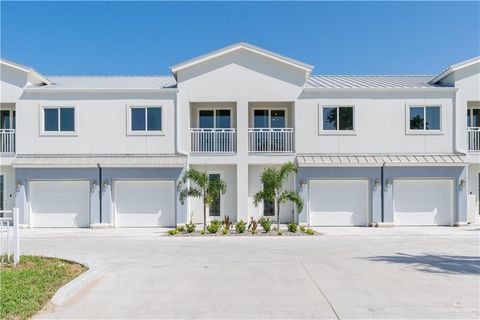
x=338, y=202
x=422, y=202
x=145, y=203
x=59, y=203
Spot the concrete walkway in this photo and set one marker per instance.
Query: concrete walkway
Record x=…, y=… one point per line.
x=346, y=273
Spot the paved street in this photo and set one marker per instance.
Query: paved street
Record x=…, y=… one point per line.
x=346, y=273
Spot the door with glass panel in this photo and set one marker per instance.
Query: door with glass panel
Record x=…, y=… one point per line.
x=216, y=134
x=269, y=132
x=473, y=127
x=7, y=131
x=215, y=206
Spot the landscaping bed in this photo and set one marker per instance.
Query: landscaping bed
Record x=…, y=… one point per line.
x=26, y=288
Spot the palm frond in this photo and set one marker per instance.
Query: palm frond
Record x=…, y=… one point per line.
x=294, y=197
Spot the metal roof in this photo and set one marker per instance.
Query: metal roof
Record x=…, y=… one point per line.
x=75, y=161
x=108, y=83
x=379, y=160
x=369, y=81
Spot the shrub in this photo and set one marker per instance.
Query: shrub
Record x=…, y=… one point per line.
x=292, y=227
x=227, y=223
x=214, y=226
x=202, y=232
x=225, y=231
x=310, y=231
x=240, y=226
x=172, y=232
x=181, y=229
x=302, y=228
x=190, y=227
x=279, y=232
x=252, y=225
x=265, y=223
x=254, y=231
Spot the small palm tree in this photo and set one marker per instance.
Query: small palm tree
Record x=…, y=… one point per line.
x=197, y=184
x=273, y=181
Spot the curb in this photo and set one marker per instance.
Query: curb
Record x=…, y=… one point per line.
x=69, y=290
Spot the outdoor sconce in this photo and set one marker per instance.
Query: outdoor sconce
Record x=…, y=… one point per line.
x=94, y=184
x=18, y=184
x=388, y=183
x=377, y=183
x=105, y=184
x=461, y=183
x=303, y=183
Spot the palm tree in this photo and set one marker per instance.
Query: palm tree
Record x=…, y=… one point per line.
x=273, y=181
x=197, y=184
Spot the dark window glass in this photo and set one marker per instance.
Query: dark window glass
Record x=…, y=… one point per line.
x=277, y=119
x=475, y=118
x=50, y=119
x=154, y=119
x=222, y=119
x=345, y=115
x=14, y=121
x=67, y=119
x=416, y=118
x=268, y=208
x=206, y=119
x=260, y=118
x=214, y=209
x=329, y=118
x=138, y=119
x=5, y=119
x=433, y=118
x=1, y=192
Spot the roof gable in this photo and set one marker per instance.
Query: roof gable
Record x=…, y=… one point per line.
x=30, y=71
x=455, y=67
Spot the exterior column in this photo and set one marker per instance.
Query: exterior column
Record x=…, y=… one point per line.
x=242, y=163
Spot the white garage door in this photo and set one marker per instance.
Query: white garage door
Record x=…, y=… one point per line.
x=145, y=203
x=338, y=202
x=59, y=203
x=422, y=202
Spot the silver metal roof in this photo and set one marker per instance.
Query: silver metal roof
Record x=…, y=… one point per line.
x=108, y=83
x=73, y=161
x=379, y=160
x=373, y=81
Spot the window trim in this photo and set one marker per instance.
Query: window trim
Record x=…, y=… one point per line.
x=215, y=109
x=470, y=113
x=269, y=109
x=41, y=118
x=337, y=132
x=145, y=132
x=423, y=131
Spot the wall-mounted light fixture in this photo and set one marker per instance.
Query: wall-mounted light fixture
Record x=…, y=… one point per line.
x=93, y=184
x=377, y=183
x=18, y=184
x=105, y=184
x=303, y=183
x=388, y=183
x=461, y=183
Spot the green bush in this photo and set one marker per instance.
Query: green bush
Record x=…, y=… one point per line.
x=240, y=226
x=181, y=229
x=279, y=232
x=265, y=223
x=302, y=228
x=224, y=231
x=214, y=226
x=292, y=227
x=190, y=227
x=172, y=232
x=310, y=231
x=202, y=232
x=254, y=231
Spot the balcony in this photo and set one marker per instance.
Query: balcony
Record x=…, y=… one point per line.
x=7, y=141
x=274, y=140
x=473, y=138
x=213, y=140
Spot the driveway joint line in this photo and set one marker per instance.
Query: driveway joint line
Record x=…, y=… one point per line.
x=320, y=290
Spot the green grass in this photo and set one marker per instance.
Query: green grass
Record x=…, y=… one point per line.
x=26, y=288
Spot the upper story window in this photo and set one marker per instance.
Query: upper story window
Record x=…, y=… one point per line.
x=424, y=118
x=58, y=120
x=214, y=118
x=337, y=119
x=145, y=120
x=269, y=118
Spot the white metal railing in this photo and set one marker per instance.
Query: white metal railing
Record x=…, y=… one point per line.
x=270, y=139
x=473, y=138
x=9, y=237
x=213, y=140
x=7, y=141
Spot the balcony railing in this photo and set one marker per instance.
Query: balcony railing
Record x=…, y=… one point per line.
x=213, y=140
x=270, y=139
x=7, y=141
x=473, y=138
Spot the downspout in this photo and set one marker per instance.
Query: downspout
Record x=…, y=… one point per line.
x=100, y=190
x=382, y=200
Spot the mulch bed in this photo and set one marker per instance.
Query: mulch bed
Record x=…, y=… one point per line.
x=233, y=233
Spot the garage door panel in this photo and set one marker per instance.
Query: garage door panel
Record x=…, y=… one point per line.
x=60, y=203
x=145, y=203
x=423, y=202
x=338, y=202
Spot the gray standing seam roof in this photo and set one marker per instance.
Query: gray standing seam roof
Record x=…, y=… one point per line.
x=370, y=81
x=109, y=82
x=378, y=160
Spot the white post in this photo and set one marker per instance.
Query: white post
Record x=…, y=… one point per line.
x=16, y=237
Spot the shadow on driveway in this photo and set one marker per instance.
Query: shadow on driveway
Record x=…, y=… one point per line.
x=449, y=264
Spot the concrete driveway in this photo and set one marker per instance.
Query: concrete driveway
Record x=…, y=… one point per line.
x=347, y=273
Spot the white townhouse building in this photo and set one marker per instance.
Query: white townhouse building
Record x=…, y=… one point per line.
x=81, y=151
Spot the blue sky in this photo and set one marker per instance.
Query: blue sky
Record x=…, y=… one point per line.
x=148, y=37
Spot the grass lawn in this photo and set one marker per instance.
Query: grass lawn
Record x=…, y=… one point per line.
x=26, y=288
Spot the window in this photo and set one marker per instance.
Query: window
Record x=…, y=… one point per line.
x=269, y=118
x=473, y=117
x=337, y=118
x=58, y=119
x=422, y=118
x=216, y=118
x=146, y=119
x=214, y=208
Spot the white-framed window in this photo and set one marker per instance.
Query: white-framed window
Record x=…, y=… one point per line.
x=58, y=120
x=214, y=118
x=337, y=119
x=274, y=118
x=424, y=119
x=145, y=120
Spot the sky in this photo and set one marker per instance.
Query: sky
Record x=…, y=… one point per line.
x=137, y=38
